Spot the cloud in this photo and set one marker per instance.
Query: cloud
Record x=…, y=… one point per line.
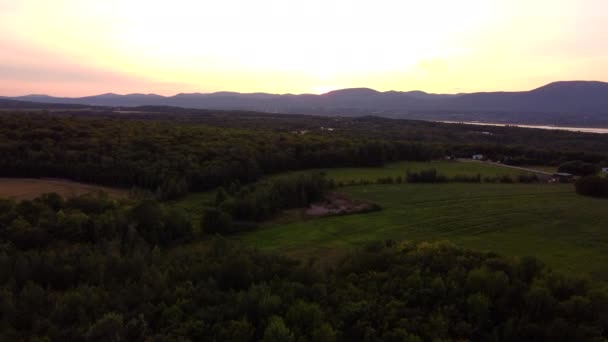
x=58, y=73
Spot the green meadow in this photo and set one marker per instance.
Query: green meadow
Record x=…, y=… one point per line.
x=194, y=202
x=549, y=221
x=445, y=167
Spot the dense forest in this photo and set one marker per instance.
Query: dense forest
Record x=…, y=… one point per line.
x=120, y=271
x=173, y=153
x=173, y=158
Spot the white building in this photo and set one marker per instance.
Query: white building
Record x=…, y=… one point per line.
x=605, y=170
x=477, y=157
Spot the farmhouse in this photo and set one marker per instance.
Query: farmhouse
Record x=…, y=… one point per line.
x=477, y=157
x=562, y=177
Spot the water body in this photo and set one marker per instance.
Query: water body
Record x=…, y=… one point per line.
x=561, y=128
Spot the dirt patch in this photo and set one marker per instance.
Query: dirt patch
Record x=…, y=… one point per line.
x=29, y=188
x=340, y=204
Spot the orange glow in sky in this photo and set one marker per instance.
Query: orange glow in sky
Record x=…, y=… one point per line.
x=86, y=47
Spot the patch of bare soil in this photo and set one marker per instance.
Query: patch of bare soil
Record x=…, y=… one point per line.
x=29, y=188
x=340, y=204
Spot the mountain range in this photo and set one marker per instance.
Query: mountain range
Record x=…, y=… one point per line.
x=566, y=102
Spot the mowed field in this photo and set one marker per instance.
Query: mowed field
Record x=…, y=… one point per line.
x=193, y=203
x=444, y=167
x=29, y=188
x=550, y=221
x=567, y=231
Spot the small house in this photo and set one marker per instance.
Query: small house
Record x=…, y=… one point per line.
x=605, y=170
x=562, y=177
x=477, y=157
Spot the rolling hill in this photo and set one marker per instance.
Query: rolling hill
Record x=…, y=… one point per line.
x=568, y=103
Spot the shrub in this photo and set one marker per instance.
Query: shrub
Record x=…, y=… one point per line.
x=467, y=179
x=385, y=180
x=506, y=179
x=529, y=178
x=425, y=176
x=579, y=168
x=592, y=186
x=216, y=221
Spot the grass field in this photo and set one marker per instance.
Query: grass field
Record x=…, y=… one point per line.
x=193, y=203
x=549, y=221
x=28, y=188
x=552, y=222
x=445, y=167
x=548, y=169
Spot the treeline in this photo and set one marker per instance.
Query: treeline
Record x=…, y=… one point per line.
x=432, y=176
x=77, y=290
x=92, y=219
x=240, y=207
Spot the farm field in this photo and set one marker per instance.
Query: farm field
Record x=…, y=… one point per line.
x=548, y=221
x=445, y=167
x=193, y=202
x=548, y=169
x=29, y=188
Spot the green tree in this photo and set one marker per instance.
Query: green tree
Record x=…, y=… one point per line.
x=178, y=225
x=108, y=328
x=215, y=220
x=220, y=196
x=277, y=331
x=235, y=331
x=148, y=218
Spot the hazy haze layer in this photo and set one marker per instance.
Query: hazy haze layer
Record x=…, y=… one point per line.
x=82, y=47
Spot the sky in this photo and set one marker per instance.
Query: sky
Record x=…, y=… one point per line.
x=87, y=47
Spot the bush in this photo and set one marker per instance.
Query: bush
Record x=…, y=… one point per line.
x=467, y=179
x=529, y=178
x=216, y=221
x=579, y=168
x=506, y=179
x=385, y=180
x=592, y=186
x=425, y=176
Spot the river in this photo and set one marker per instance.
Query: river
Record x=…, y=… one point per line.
x=561, y=128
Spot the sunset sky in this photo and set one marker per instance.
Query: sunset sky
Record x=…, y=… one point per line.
x=86, y=47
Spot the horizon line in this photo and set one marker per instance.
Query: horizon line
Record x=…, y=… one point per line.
x=297, y=94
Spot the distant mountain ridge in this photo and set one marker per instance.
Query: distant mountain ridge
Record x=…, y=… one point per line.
x=558, y=102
